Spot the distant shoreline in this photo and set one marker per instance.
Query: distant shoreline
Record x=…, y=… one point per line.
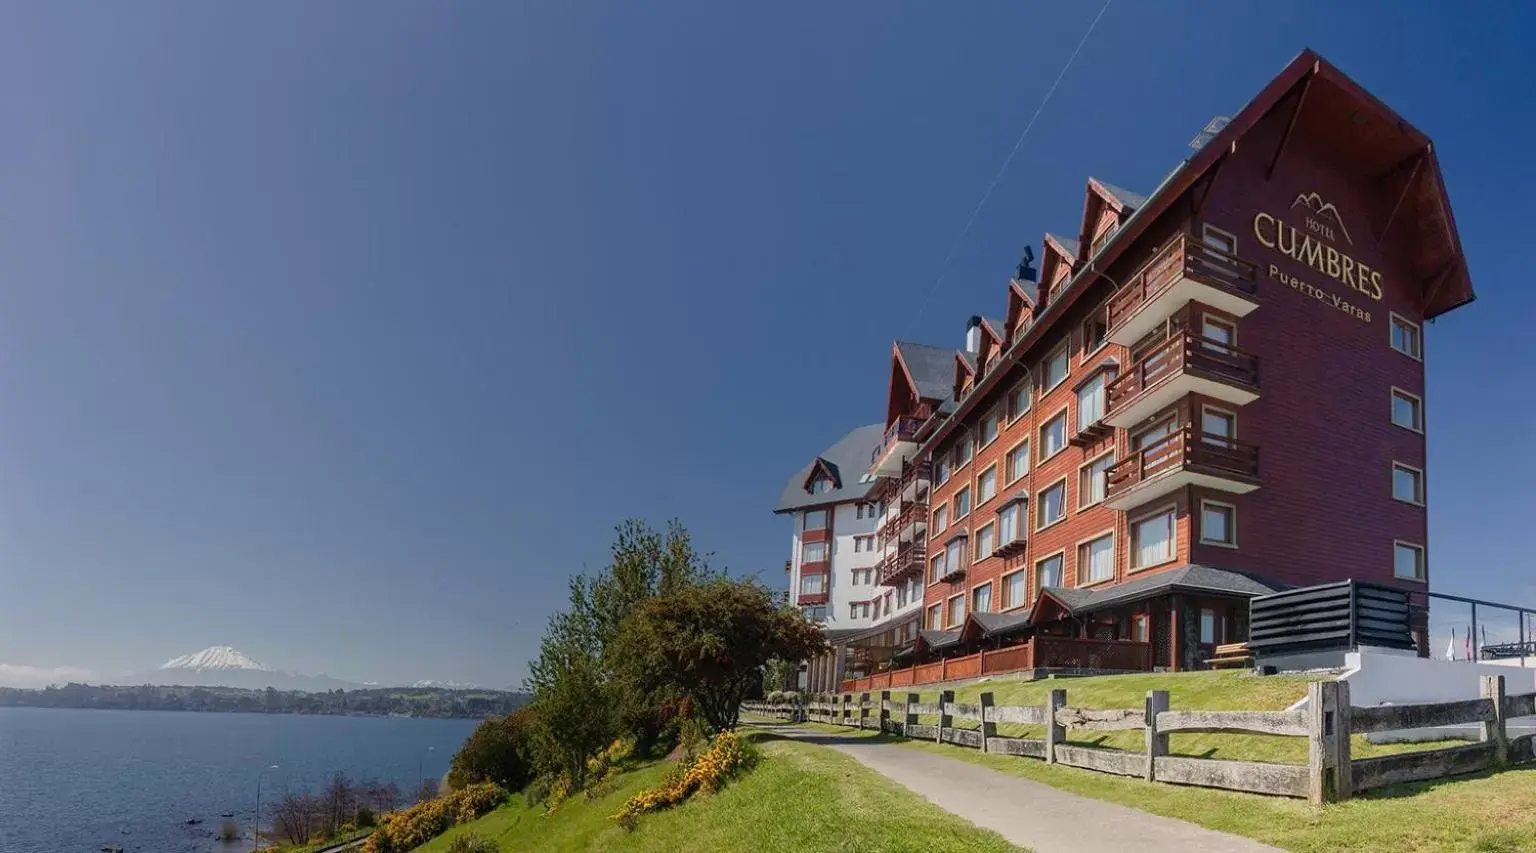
x=413, y=702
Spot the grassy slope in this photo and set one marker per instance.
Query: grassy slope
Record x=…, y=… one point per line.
x=801, y=798
x=1228, y=690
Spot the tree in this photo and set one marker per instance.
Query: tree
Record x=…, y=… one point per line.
x=427, y=790
x=382, y=797
x=712, y=641
x=573, y=716
x=338, y=804
x=499, y=750
x=296, y=818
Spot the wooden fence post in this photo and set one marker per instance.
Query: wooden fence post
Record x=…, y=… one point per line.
x=988, y=728
x=845, y=718
x=1157, y=744
x=1054, y=732
x=885, y=710
x=1328, y=760
x=1495, y=731
x=945, y=721
x=911, y=717
x=863, y=710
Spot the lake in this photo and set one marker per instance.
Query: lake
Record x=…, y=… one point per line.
x=74, y=781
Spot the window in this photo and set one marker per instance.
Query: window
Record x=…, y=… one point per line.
x=1218, y=334
x=1218, y=524
x=1090, y=402
x=876, y=604
x=989, y=425
x=1139, y=629
x=816, y=519
x=1092, y=479
x=962, y=453
x=1010, y=523
x=1151, y=436
x=941, y=519
x=956, y=610
x=1217, y=426
x=1407, y=410
x=986, y=540
x=901, y=596
x=954, y=555
x=1096, y=559
x=1015, y=588
x=1053, y=436
x=1207, y=627
x=1407, y=483
x=1103, y=238
x=944, y=469
x=1018, y=400
x=853, y=610
x=813, y=584
x=1407, y=561
x=1048, y=572
x=962, y=502
x=935, y=617
x=1018, y=461
x=815, y=612
x=986, y=485
x=1152, y=539
x=1095, y=332
x=1219, y=247
x=1052, y=505
x=1405, y=337
x=937, y=567
x=1054, y=372
x=820, y=486
x=981, y=598
x=813, y=552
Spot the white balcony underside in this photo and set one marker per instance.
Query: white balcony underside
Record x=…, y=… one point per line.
x=1154, y=311
x=1163, y=484
x=1167, y=391
x=889, y=464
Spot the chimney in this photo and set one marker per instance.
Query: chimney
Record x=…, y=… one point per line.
x=973, y=335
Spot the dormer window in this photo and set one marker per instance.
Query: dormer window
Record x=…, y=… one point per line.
x=1104, y=237
x=820, y=486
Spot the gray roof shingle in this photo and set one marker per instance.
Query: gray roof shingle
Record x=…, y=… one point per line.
x=932, y=368
x=849, y=458
x=995, y=624
x=1066, y=243
x=1127, y=198
x=1191, y=578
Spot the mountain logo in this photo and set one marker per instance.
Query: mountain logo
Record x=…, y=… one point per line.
x=1325, y=211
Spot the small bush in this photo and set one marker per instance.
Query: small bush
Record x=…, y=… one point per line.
x=410, y=828
x=727, y=756
x=365, y=818
x=472, y=843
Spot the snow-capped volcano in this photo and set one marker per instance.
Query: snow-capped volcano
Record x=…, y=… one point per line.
x=216, y=658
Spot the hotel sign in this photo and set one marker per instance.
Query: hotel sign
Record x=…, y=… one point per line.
x=1314, y=243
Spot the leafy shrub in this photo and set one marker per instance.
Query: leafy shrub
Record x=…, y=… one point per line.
x=500, y=750
x=472, y=843
x=728, y=755
x=603, y=767
x=365, y=817
x=410, y=828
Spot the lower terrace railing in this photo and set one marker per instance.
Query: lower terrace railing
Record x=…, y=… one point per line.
x=1327, y=721
x=1071, y=653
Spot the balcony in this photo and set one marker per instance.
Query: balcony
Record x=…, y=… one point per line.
x=1182, y=459
x=906, y=561
x=1184, y=364
x=1183, y=270
x=899, y=442
x=915, y=478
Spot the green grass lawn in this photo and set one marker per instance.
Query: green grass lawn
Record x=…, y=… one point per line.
x=1485, y=813
x=1221, y=690
x=801, y=798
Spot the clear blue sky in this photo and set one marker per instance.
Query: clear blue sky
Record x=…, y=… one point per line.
x=343, y=333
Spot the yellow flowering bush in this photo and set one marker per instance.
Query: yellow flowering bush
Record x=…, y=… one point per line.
x=726, y=756
x=412, y=827
x=603, y=767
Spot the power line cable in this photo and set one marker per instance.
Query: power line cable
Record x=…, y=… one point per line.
x=997, y=178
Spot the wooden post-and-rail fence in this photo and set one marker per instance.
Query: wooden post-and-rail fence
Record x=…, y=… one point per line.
x=1327, y=721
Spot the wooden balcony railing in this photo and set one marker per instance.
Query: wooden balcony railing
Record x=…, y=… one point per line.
x=1182, y=257
x=1189, y=352
x=901, y=563
x=1040, y=651
x=903, y=429
x=1184, y=449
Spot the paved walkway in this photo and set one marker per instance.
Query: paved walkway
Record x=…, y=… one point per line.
x=1029, y=814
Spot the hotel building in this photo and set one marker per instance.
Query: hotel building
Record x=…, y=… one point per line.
x=1207, y=393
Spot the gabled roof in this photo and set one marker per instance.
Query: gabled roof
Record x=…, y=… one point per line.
x=1192, y=578
x=1124, y=199
x=847, y=460
x=1066, y=245
x=998, y=329
x=931, y=369
x=987, y=625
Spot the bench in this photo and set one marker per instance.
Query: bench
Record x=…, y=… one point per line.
x=1230, y=654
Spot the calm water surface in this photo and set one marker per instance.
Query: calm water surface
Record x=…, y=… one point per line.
x=74, y=781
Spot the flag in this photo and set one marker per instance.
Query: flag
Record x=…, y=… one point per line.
x=1450, y=646
x=1469, y=644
